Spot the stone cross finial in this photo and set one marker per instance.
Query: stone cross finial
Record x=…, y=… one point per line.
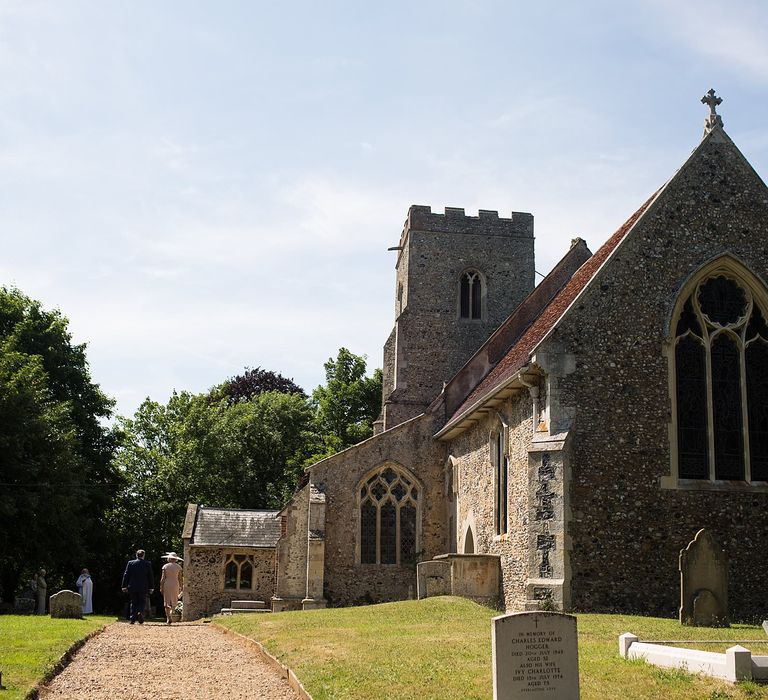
x=714, y=119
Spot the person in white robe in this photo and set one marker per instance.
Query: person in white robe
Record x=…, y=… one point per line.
x=85, y=588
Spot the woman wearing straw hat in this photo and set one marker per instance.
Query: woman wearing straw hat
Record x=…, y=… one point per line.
x=171, y=583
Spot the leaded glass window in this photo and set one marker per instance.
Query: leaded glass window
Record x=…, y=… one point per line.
x=471, y=295
x=389, y=507
x=756, y=356
x=368, y=516
x=500, y=463
x=230, y=575
x=721, y=383
x=238, y=572
x=246, y=574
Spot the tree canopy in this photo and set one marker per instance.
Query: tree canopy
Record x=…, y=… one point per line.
x=56, y=473
x=74, y=492
x=252, y=382
x=348, y=403
x=243, y=455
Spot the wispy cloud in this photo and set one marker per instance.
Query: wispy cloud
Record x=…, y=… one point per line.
x=734, y=33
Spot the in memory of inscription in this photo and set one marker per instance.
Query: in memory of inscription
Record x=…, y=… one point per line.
x=535, y=655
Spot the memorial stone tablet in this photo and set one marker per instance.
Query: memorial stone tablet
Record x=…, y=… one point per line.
x=535, y=656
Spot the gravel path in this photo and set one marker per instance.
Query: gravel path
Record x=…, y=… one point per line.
x=160, y=662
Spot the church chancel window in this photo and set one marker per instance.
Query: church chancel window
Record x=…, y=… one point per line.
x=721, y=382
x=389, y=514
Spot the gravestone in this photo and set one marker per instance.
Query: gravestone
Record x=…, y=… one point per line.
x=26, y=602
x=66, y=604
x=703, y=583
x=24, y=605
x=433, y=578
x=535, y=656
x=765, y=626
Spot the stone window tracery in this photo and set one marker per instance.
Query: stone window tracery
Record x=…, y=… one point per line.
x=721, y=382
x=389, y=515
x=471, y=295
x=238, y=572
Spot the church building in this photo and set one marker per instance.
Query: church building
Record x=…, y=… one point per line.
x=560, y=443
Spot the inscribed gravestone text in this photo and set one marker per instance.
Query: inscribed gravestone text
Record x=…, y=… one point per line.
x=535, y=655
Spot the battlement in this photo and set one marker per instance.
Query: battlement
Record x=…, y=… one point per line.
x=454, y=220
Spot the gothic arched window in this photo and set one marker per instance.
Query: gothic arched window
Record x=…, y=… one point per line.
x=721, y=382
x=471, y=295
x=390, y=502
x=238, y=572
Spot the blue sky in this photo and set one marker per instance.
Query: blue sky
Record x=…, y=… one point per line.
x=205, y=186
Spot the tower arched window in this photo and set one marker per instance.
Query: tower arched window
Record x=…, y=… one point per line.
x=721, y=381
x=390, y=511
x=471, y=295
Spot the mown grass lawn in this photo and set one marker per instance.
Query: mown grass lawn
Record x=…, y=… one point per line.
x=30, y=646
x=440, y=649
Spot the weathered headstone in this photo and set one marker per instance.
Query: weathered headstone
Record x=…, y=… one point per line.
x=25, y=602
x=765, y=626
x=703, y=583
x=433, y=578
x=535, y=655
x=24, y=605
x=66, y=604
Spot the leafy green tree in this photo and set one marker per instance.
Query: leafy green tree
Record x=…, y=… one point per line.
x=348, y=403
x=56, y=476
x=242, y=455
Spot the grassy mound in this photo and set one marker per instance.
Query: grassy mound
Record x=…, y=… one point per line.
x=440, y=649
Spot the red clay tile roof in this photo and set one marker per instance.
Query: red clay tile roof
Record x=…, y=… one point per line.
x=520, y=352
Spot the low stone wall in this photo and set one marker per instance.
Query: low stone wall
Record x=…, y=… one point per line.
x=473, y=576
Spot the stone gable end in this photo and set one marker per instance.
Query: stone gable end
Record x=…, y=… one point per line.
x=626, y=528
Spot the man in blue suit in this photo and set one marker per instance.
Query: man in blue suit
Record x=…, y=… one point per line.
x=138, y=581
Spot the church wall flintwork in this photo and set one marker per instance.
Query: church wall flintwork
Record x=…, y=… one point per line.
x=431, y=341
x=291, y=551
x=630, y=518
x=476, y=493
x=204, y=591
x=576, y=395
x=409, y=446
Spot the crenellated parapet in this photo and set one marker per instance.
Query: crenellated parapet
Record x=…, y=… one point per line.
x=455, y=220
x=457, y=278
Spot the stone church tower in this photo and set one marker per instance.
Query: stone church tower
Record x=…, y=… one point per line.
x=457, y=278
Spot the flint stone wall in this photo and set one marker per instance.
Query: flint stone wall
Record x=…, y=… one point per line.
x=476, y=494
x=432, y=341
x=291, y=585
x=627, y=528
x=204, y=592
x=410, y=445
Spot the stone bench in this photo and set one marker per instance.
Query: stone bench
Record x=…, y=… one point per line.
x=245, y=606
